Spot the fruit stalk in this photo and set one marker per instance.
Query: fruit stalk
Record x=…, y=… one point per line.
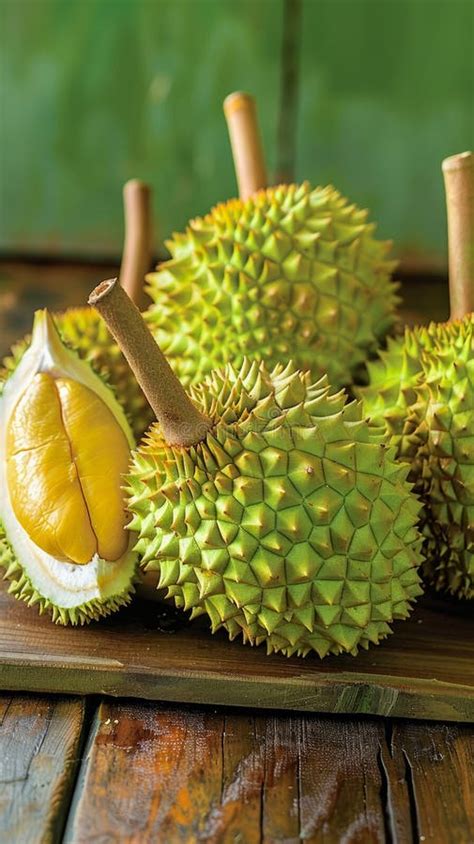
x=241, y=116
x=181, y=422
x=458, y=171
x=137, y=249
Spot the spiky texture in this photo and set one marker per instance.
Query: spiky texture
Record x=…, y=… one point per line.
x=422, y=389
x=291, y=272
x=85, y=331
x=290, y=523
x=22, y=588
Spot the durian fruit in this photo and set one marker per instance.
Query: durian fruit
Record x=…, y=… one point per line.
x=267, y=502
x=82, y=328
x=64, y=448
x=422, y=390
x=288, y=271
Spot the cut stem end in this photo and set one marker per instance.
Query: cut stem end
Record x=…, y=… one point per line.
x=138, y=242
x=181, y=422
x=458, y=172
x=241, y=116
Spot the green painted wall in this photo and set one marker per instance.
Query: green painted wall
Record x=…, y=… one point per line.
x=93, y=92
x=388, y=92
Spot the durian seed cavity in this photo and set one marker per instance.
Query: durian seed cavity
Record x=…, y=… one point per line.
x=66, y=454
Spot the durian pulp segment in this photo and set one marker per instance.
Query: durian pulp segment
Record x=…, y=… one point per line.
x=86, y=332
x=83, y=330
x=61, y=583
x=66, y=456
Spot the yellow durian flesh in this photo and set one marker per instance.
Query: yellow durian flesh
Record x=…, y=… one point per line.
x=65, y=458
x=63, y=437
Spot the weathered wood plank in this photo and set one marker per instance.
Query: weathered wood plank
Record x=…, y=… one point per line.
x=162, y=774
x=340, y=792
x=196, y=776
x=24, y=287
x=259, y=798
x=40, y=741
x=425, y=670
x=281, y=751
x=439, y=771
x=394, y=789
x=239, y=804
x=150, y=775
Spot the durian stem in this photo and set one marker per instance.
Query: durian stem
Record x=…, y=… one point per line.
x=241, y=115
x=181, y=422
x=137, y=248
x=458, y=171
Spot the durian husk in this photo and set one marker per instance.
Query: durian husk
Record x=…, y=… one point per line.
x=293, y=271
x=289, y=524
x=422, y=391
x=22, y=588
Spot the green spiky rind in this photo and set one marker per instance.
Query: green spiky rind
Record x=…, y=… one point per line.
x=422, y=389
x=395, y=376
x=291, y=272
x=22, y=588
x=83, y=330
x=444, y=465
x=290, y=524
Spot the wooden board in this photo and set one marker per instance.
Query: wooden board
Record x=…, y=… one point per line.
x=425, y=670
x=134, y=771
x=160, y=774
x=40, y=743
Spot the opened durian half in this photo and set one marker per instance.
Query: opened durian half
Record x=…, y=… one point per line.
x=64, y=446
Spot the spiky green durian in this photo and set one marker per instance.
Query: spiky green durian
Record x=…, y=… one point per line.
x=84, y=331
x=290, y=523
x=291, y=272
x=64, y=446
x=422, y=389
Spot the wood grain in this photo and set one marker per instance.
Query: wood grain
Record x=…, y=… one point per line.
x=39, y=745
x=439, y=766
x=162, y=774
x=424, y=670
x=340, y=782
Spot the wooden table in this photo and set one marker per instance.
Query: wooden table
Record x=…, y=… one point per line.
x=91, y=769
x=107, y=771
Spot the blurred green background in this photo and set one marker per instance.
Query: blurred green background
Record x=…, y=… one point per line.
x=93, y=92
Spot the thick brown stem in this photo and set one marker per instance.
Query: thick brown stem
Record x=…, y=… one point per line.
x=458, y=171
x=241, y=116
x=181, y=422
x=137, y=248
